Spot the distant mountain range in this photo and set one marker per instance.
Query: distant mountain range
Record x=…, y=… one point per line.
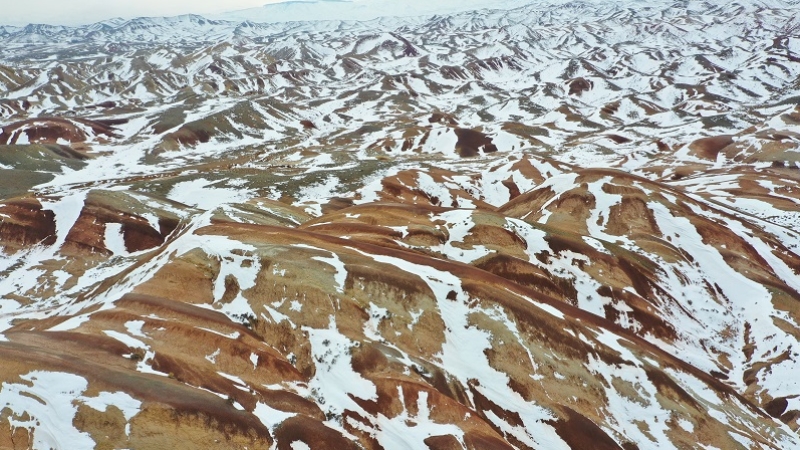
x=360, y=9
x=378, y=14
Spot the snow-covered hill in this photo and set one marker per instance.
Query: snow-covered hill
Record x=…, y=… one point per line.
x=547, y=225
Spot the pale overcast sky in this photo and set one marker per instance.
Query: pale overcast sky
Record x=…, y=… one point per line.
x=79, y=12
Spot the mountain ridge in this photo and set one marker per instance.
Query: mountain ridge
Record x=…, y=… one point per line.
x=251, y=15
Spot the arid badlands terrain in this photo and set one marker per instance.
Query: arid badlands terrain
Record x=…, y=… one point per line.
x=559, y=226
